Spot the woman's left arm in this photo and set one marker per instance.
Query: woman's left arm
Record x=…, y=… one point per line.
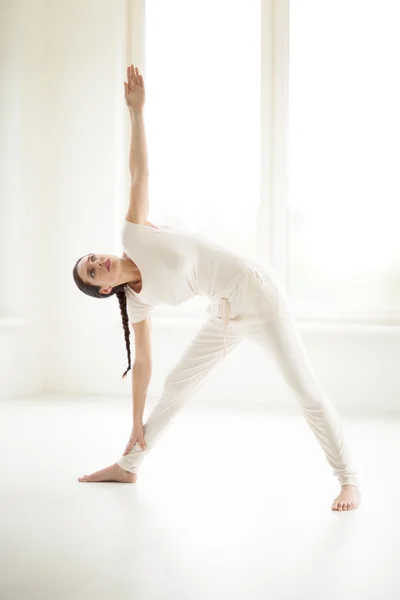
x=135, y=95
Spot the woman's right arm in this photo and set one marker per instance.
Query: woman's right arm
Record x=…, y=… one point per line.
x=141, y=375
x=142, y=367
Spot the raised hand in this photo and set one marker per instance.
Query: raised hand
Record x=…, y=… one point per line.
x=135, y=93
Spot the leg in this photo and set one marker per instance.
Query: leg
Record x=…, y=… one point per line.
x=204, y=353
x=282, y=339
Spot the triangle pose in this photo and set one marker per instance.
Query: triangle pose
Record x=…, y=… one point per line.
x=162, y=265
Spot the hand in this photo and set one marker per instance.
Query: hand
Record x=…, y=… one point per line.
x=137, y=435
x=134, y=90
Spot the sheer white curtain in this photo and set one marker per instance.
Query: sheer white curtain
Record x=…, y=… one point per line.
x=203, y=120
x=344, y=156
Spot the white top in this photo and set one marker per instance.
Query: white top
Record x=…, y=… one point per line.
x=176, y=266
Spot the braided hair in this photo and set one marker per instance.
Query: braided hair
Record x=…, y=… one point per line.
x=119, y=291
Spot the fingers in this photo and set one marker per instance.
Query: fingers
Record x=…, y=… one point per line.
x=134, y=77
x=138, y=440
x=130, y=446
x=129, y=76
x=141, y=441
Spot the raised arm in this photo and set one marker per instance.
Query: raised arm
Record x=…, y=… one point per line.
x=138, y=161
x=135, y=95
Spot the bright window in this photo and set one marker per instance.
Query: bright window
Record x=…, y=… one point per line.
x=344, y=130
x=203, y=119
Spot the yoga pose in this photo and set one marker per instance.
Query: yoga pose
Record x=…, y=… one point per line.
x=166, y=266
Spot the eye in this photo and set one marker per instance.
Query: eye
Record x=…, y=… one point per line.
x=92, y=271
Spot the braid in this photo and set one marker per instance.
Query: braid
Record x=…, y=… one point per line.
x=119, y=291
x=125, y=322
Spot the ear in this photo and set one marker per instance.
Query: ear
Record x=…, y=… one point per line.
x=105, y=291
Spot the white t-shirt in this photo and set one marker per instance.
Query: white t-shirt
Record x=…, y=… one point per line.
x=176, y=266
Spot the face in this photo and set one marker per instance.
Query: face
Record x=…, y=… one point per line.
x=100, y=269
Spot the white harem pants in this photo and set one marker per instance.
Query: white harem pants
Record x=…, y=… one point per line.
x=259, y=310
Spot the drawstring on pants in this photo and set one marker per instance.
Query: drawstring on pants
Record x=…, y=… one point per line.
x=225, y=310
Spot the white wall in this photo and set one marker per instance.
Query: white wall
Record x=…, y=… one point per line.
x=62, y=65
x=23, y=135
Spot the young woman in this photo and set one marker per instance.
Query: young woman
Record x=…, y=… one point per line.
x=166, y=266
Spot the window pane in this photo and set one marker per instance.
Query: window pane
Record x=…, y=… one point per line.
x=203, y=118
x=344, y=124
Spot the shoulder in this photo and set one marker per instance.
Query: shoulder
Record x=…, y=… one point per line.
x=128, y=219
x=131, y=230
x=137, y=309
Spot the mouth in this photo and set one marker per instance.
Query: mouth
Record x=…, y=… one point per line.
x=108, y=264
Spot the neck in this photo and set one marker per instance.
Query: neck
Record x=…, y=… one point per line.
x=134, y=274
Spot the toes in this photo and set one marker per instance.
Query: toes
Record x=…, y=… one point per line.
x=343, y=505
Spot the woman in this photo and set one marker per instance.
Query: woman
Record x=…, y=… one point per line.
x=161, y=265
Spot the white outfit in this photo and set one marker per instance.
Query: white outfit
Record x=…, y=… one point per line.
x=247, y=301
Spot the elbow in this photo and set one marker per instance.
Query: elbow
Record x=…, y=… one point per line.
x=144, y=364
x=139, y=171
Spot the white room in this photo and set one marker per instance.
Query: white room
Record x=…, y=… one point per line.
x=272, y=130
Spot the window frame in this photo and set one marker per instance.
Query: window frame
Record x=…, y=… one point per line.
x=275, y=25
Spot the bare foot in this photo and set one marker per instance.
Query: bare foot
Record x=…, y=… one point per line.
x=348, y=499
x=113, y=473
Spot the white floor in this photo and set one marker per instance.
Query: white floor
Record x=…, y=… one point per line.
x=230, y=504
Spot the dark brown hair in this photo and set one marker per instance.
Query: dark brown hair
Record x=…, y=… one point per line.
x=119, y=291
